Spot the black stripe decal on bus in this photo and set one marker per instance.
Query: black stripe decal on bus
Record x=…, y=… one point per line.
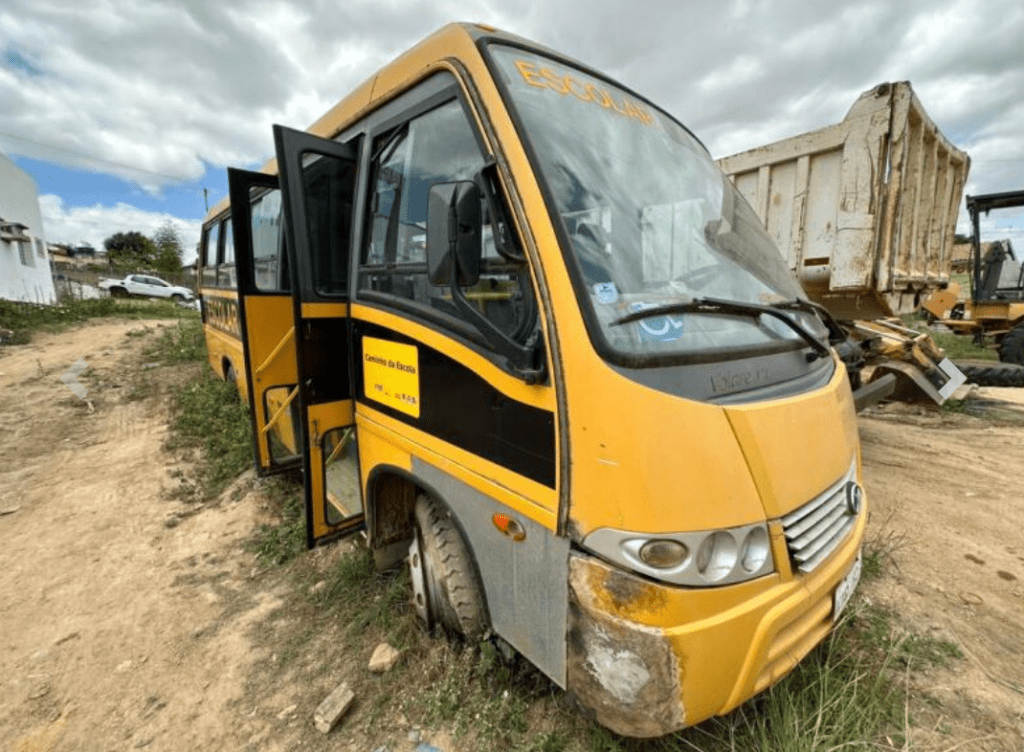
x=457, y=405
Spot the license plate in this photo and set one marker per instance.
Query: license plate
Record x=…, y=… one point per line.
x=845, y=589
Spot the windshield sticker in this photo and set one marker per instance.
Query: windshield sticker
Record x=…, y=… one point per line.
x=657, y=328
x=606, y=292
x=545, y=78
x=391, y=375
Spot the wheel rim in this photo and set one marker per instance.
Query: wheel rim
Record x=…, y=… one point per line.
x=418, y=575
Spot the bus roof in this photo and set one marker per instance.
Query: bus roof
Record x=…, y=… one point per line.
x=456, y=40
x=453, y=41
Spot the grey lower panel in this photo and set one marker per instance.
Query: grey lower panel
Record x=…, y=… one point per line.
x=526, y=583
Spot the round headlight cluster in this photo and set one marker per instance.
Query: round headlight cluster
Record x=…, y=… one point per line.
x=698, y=559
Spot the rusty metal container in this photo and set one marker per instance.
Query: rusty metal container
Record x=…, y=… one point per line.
x=864, y=210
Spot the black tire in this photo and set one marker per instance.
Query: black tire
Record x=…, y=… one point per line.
x=991, y=373
x=118, y=292
x=1011, y=348
x=230, y=376
x=178, y=298
x=453, y=589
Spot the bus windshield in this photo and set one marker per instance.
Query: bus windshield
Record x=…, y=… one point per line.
x=650, y=218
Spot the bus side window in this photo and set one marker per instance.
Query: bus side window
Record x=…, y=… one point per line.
x=269, y=259
x=226, y=270
x=436, y=147
x=210, y=256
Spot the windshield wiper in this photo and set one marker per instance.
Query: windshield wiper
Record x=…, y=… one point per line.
x=714, y=306
x=836, y=332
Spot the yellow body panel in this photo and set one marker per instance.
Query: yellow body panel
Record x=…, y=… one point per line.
x=788, y=469
x=222, y=347
x=661, y=464
x=223, y=331
x=324, y=310
x=515, y=491
x=271, y=338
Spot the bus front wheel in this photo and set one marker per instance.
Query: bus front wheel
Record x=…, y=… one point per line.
x=446, y=589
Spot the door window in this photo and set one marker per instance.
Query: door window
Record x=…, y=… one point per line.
x=226, y=270
x=328, y=184
x=268, y=256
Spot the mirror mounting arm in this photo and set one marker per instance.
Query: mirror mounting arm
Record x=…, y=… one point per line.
x=525, y=359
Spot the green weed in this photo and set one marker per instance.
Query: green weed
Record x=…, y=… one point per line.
x=26, y=318
x=279, y=543
x=878, y=630
x=182, y=343
x=962, y=347
x=208, y=414
x=880, y=550
x=457, y=694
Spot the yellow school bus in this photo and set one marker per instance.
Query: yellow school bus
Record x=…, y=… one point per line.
x=542, y=350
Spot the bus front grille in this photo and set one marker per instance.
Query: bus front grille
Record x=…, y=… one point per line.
x=815, y=530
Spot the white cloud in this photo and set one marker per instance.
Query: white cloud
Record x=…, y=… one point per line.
x=167, y=88
x=94, y=224
x=740, y=70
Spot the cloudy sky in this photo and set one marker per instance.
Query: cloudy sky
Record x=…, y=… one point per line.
x=127, y=112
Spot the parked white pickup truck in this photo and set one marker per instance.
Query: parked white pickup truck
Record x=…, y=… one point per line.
x=146, y=286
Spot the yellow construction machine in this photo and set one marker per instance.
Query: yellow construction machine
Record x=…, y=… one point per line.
x=994, y=312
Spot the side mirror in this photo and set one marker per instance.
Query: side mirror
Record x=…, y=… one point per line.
x=453, y=233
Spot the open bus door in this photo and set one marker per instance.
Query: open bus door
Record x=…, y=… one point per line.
x=265, y=315
x=318, y=180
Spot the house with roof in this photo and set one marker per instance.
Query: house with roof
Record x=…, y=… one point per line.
x=24, y=261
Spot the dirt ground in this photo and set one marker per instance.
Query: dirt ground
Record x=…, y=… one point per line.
x=130, y=620
x=946, y=499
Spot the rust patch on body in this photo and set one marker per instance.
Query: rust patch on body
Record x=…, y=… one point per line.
x=631, y=595
x=624, y=673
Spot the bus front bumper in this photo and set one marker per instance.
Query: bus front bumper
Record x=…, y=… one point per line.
x=648, y=659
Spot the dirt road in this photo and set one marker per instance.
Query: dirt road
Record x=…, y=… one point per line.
x=947, y=498
x=115, y=624
x=128, y=621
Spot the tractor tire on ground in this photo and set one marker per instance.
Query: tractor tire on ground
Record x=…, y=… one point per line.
x=1011, y=348
x=454, y=593
x=991, y=373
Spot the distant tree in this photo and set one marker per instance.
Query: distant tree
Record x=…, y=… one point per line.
x=130, y=250
x=168, y=249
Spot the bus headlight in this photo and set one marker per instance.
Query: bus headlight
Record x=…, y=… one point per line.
x=702, y=559
x=663, y=554
x=716, y=557
x=755, y=550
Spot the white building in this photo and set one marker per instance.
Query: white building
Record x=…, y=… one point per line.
x=24, y=262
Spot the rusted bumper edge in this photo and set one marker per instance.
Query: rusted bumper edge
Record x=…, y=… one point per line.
x=622, y=672
x=645, y=681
